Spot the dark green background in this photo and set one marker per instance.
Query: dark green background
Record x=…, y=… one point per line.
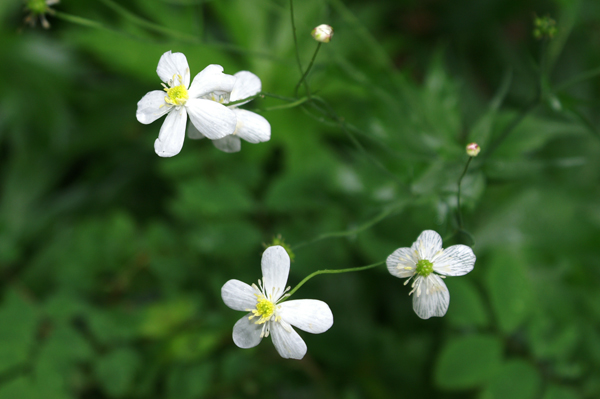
x=112, y=259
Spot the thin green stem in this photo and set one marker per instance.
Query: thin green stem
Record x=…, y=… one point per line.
x=303, y=78
x=89, y=23
x=578, y=79
x=331, y=271
x=295, y=38
x=344, y=233
x=147, y=24
x=460, y=221
x=286, y=106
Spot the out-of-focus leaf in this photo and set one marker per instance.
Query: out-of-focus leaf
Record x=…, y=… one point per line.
x=189, y=382
x=162, y=318
x=560, y=392
x=116, y=371
x=18, y=328
x=467, y=309
x=468, y=362
x=510, y=289
x=516, y=379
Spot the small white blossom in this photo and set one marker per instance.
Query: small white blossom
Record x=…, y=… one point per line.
x=269, y=314
x=473, y=149
x=210, y=117
x=421, y=262
x=250, y=126
x=322, y=33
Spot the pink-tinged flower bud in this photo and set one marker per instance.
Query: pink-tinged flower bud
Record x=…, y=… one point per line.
x=322, y=33
x=473, y=149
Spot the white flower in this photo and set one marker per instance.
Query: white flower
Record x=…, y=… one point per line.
x=269, y=315
x=250, y=126
x=322, y=33
x=421, y=262
x=213, y=119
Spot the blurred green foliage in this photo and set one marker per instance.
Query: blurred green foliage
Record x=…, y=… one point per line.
x=112, y=258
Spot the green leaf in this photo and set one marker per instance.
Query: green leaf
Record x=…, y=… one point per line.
x=467, y=309
x=18, y=323
x=510, y=289
x=116, y=371
x=189, y=382
x=516, y=379
x=468, y=362
x=559, y=392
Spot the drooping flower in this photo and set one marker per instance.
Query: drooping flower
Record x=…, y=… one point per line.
x=181, y=99
x=269, y=314
x=250, y=126
x=426, y=263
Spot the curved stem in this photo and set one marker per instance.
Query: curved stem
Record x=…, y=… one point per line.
x=380, y=216
x=333, y=271
x=303, y=78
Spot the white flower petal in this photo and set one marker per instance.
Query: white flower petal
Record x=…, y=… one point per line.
x=172, y=133
x=229, y=143
x=246, y=85
x=193, y=133
x=251, y=127
x=246, y=333
x=151, y=107
x=310, y=315
x=171, y=64
x=275, y=266
x=456, y=260
x=402, y=262
x=432, y=299
x=428, y=244
x=211, y=79
x=212, y=119
x=238, y=295
x=289, y=344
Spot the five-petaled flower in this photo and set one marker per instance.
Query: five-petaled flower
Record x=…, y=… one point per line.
x=421, y=262
x=180, y=99
x=250, y=126
x=269, y=314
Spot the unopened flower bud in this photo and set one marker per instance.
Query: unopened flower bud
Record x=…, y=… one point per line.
x=545, y=27
x=322, y=33
x=473, y=149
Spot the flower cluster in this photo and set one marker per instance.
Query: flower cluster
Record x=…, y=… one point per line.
x=205, y=102
x=426, y=263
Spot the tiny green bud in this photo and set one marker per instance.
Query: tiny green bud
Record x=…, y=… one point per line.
x=544, y=27
x=280, y=241
x=38, y=10
x=473, y=149
x=322, y=33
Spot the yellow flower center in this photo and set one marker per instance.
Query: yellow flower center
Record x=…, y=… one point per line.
x=177, y=95
x=264, y=310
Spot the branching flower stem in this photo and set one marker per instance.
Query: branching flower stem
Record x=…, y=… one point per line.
x=333, y=271
x=303, y=78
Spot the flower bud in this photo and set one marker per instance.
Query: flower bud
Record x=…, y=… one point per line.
x=545, y=27
x=473, y=149
x=322, y=33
